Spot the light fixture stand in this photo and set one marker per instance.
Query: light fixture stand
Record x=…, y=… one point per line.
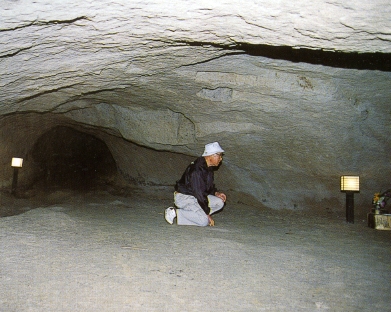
x=15, y=180
x=349, y=207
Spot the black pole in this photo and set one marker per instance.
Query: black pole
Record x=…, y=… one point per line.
x=14, y=180
x=350, y=207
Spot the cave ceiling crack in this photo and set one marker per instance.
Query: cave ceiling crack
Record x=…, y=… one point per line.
x=254, y=24
x=15, y=52
x=211, y=59
x=339, y=59
x=46, y=23
x=82, y=96
x=46, y=92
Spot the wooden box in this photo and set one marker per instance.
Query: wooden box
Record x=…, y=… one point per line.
x=379, y=221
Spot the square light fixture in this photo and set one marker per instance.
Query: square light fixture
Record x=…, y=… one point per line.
x=350, y=183
x=17, y=162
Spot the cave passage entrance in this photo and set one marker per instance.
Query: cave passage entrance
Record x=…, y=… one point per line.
x=71, y=159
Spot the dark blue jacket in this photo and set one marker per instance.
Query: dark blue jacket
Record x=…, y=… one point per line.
x=198, y=180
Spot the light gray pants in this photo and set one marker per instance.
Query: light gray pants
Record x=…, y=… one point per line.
x=190, y=211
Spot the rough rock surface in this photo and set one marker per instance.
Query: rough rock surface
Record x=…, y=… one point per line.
x=157, y=80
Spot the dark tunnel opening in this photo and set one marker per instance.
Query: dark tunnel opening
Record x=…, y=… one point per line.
x=70, y=159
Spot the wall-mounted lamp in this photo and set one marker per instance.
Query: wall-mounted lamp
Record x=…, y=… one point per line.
x=16, y=163
x=350, y=185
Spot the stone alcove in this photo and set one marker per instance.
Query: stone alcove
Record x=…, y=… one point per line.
x=68, y=158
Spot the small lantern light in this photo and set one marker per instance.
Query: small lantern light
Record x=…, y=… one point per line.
x=350, y=185
x=17, y=162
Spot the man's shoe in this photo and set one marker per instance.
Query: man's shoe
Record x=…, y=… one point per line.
x=170, y=215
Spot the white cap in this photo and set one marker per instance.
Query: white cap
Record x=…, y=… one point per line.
x=212, y=148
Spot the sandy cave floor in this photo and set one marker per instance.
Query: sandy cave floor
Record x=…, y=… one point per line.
x=99, y=252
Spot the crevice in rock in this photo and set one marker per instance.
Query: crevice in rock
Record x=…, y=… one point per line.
x=15, y=53
x=74, y=98
x=351, y=60
x=45, y=92
x=45, y=23
x=213, y=58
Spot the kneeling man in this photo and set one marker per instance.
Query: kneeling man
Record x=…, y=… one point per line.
x=196, y=196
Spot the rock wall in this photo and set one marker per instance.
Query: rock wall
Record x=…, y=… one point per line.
x=158, y=80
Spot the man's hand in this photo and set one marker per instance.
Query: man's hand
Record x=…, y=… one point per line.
x=211, y=221
x=221, y=195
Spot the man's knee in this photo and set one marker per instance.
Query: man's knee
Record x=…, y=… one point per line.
x=220, y=203
x=216, y=203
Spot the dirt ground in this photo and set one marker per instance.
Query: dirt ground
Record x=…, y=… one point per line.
x=100, y=252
